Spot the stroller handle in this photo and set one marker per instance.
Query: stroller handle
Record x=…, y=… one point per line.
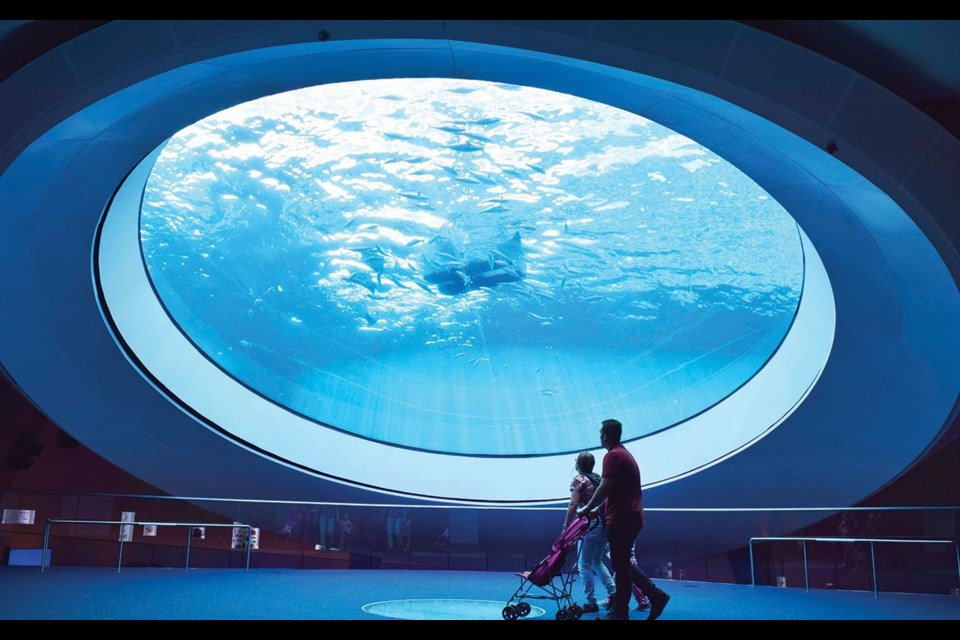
x=593, y=518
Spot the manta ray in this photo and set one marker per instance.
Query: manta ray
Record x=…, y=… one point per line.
x=503, y=264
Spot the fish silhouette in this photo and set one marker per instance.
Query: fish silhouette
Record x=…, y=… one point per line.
x=503, y=265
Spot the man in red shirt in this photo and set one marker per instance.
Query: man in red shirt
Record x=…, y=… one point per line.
x=620, y=487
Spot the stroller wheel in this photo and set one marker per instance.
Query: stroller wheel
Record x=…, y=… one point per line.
x=523, y=609
x=564, y=614
x=510, y=613
x=576, y=611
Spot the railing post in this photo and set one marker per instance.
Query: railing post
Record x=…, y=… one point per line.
x=46, y=543
x=186, y=565
x=873, y=565
x=120, y=553
x=957, y=547
x=806, y=573
x=753, y=577
x=249, y=544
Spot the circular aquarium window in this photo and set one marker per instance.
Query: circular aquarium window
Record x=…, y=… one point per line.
x=467, y=267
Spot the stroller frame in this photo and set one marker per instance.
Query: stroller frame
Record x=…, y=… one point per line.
x=550, y=578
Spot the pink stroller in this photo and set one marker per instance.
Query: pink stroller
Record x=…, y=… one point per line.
x=545, y=576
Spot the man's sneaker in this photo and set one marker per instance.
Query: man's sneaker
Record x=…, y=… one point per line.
x=657, y=604
x=591, y=608
x=643, y=606
x=608, y=603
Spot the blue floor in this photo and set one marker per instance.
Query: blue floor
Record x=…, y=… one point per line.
x=284, y=594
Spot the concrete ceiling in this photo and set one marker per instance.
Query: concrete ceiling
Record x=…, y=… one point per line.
x=916, y=59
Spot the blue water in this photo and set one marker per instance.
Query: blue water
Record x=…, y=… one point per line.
x=468, y=267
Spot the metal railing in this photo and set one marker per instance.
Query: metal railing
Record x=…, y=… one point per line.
x=190, y=527
x=558, y=505
x=873, y=560
x=250, y=510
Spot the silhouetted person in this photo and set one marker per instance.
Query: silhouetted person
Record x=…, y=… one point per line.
x=397, y=522
x=441, y=541
x=293, y=522
x=620, y=487
x=407, y=530
x=327, y=527
x=346, y=532
x=854, y=555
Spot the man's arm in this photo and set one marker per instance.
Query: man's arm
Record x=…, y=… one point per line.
x=598, y=497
